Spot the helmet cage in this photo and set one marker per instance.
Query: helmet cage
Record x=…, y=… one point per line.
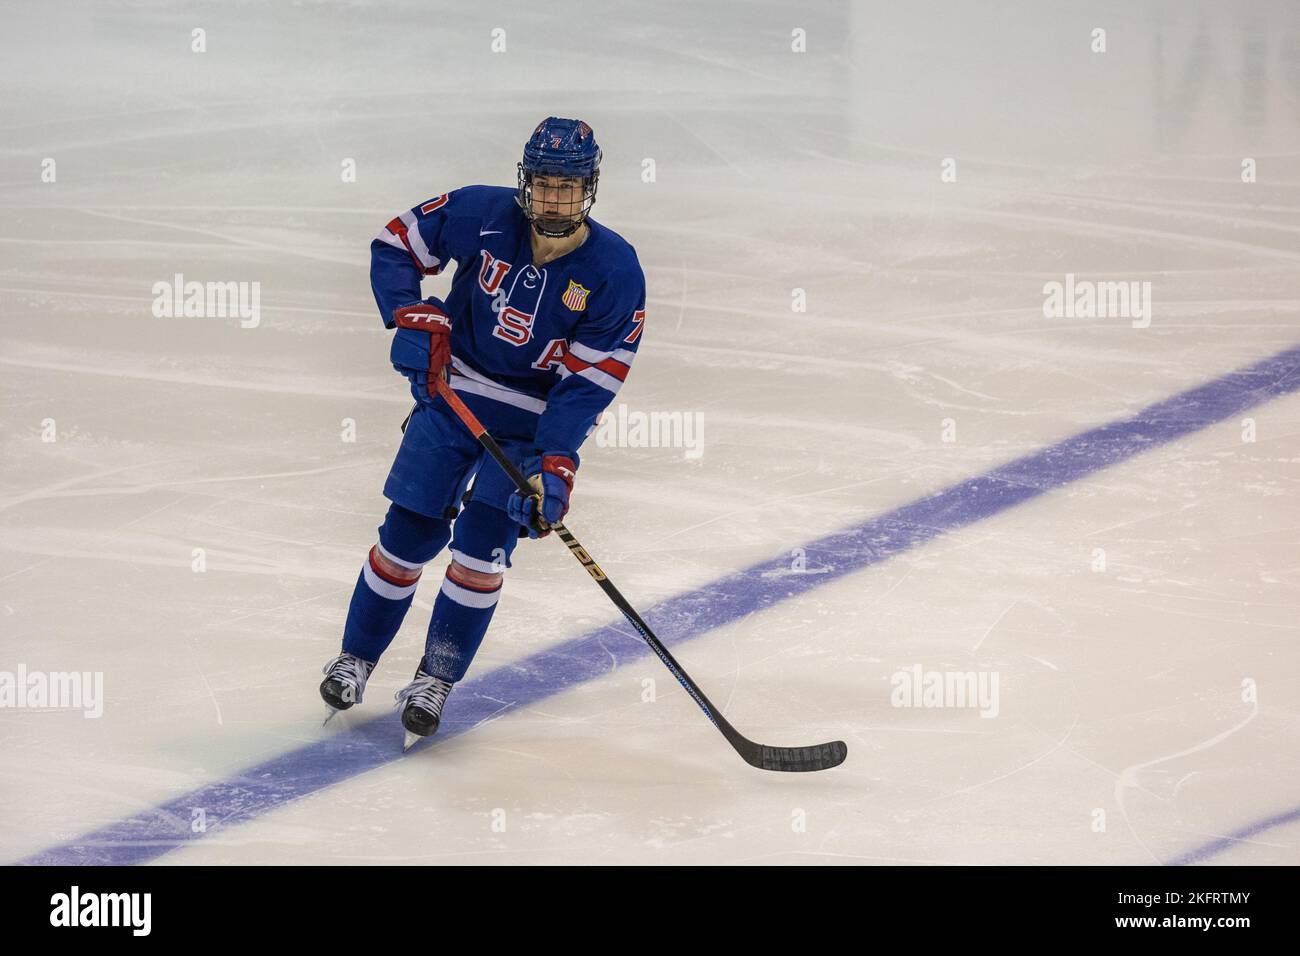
x=570, y=215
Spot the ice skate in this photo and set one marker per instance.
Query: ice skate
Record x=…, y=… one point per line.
x=423, y=700
x=344, y=683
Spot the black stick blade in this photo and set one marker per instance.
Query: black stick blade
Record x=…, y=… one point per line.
x=797, y=759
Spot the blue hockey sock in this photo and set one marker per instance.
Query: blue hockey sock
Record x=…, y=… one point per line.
x=387, y=583
x=461, y=615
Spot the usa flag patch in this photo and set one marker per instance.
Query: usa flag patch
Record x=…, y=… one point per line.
x=575, y=296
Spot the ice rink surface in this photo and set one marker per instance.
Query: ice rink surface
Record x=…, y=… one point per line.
x=1139, y=611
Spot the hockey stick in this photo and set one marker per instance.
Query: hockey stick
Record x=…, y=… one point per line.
x=818, y=757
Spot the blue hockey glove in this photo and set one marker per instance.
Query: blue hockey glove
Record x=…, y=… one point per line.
x=552, y=474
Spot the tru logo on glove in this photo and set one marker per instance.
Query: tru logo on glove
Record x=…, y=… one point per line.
x=421, y=316
x=422, y=346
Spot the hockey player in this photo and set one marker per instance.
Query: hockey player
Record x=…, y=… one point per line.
x=542, y=323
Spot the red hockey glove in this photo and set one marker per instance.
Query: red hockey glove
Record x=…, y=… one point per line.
x=422, y=346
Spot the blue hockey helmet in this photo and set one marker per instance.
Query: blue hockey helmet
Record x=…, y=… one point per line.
x=559, y=149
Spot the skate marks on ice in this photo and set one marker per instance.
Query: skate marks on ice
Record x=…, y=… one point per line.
x=1128, y=779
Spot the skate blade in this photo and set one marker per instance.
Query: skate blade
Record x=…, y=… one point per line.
x=331, y=713
x=410, y=741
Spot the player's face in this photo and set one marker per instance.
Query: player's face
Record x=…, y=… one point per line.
x=556, y=197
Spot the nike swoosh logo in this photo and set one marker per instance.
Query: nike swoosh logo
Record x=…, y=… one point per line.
x=489, y=232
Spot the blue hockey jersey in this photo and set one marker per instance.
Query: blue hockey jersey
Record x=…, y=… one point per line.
x=541, y=350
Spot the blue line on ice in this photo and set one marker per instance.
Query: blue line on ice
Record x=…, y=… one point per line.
x=340, y=756
x=1202, y=853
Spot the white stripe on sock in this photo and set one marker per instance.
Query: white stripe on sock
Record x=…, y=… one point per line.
x=382, y=587
x=468, y=598
x=475, y=564
x=400, y=562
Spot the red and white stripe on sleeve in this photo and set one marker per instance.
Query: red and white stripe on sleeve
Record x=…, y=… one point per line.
x=404, y=233
x=606, y=369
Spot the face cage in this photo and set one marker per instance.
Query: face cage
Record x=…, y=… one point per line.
x=561, y=225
